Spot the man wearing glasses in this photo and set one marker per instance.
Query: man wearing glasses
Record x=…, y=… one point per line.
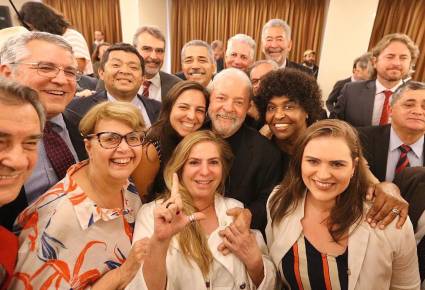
x=45, y=63
x=150, y=42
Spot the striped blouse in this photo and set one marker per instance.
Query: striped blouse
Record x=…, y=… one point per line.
x=305, y=268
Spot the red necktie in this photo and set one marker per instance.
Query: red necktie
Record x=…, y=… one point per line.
x=57, y=151
x=146, y=85
x=403, y=161
x=386, y=108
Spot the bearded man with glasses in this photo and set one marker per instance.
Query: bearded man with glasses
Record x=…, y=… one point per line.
x=46, y=63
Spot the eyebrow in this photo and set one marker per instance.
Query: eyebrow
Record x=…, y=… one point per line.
x=312, y=157
x=34, y=136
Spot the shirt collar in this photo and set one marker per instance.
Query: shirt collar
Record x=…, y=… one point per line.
x=86, y=210
x=135, y=101
x=380, y=87
x=156, y=80
x=284, y=64
x=58, y=122
x=396, y=142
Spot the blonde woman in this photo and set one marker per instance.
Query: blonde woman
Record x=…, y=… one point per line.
x=190, y=222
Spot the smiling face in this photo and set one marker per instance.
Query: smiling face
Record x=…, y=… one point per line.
x=408, y=113
x=286, y=119
x=113, y=164
x=229, y=104
x=257, y=73
x=203, y=170
x=276, y=44
x=152, y=50
x=55, y=93
x=197, y=66
x=240, y=56
x=19, y=136
x=393, y=63
x=326, y=168
x=122, y=75
x=188, y=112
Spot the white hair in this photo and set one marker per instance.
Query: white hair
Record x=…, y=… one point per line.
x=231, y=72
x=244, y=39
x=276, y=23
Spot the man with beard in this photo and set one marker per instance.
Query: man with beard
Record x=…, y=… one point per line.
x=240, y=52
x=276, y=43
x=198, y=62
x=257, y=165
x=150, y=42
x=366, y=103
x=310, y=62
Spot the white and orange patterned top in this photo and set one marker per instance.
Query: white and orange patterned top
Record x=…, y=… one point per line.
x=67, y=242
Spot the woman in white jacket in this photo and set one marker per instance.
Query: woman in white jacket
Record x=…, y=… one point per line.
x=190, y=227
x=317, y=234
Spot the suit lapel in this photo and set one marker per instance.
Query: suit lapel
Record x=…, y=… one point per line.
x=357, y=245
x=76, y=139
x=148, y=108
x=382, y=143
x=368, y=101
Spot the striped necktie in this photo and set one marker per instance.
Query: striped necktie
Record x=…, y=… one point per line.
x=385, y=115
x=146, y=85
x=403, y=161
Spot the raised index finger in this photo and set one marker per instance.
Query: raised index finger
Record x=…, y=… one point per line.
x=175, y=185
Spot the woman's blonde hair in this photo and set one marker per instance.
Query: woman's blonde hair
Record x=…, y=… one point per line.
x=192, y=240
x=123, y=112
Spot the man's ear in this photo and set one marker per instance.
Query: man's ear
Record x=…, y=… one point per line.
x=5, y=70
x=290, y=45
x=100, y=71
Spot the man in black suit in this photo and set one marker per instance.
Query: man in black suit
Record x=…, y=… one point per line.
x=388, y=149
x=218, y=50
x=121, y=70
x=48, y=67
x=276, y=44
x=361, y=72
x=257, y=167
x=150, y=42
x=367, y=103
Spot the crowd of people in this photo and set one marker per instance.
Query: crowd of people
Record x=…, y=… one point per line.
x=229, y=174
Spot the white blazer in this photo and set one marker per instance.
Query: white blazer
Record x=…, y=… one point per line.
x=183, y=274
x=377, y=259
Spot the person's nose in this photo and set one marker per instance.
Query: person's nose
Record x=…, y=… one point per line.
x=15, y=158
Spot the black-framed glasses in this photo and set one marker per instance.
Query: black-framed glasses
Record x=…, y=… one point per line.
x=50, y=70
x=111, y=140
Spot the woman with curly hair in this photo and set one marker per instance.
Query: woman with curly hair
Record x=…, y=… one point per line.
x=289, y=101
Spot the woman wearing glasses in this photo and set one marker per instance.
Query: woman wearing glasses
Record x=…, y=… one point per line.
x=80, y=229
x=183, y=112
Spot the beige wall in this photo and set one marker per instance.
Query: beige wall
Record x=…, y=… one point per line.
x=136, y=13
x=347, y=32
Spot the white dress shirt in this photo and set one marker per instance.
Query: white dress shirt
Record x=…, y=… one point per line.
x=154, y=88
x=378, y=104
x=139, y=104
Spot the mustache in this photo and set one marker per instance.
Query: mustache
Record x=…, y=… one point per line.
x=152, y=60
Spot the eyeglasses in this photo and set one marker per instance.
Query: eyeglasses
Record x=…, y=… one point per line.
x=49, y=70
x=111, y=140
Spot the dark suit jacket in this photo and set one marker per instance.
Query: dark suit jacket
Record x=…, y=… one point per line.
x=255, y=171
x=87, y=82
x=180, y=75
x=167, y=82
x=79, y=107
x=411, y=182
x=291, y=64
x=9, y=212
x=220, y=64
x=336, y=92
x=355, y=104
x=376, y=141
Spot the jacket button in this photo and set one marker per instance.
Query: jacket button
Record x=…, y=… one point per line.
x=242, y=286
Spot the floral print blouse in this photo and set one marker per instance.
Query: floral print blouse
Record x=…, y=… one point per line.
x=67, y=242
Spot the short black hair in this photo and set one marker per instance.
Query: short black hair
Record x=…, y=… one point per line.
x=43, y=17
x=294, y=84
x=123, y=47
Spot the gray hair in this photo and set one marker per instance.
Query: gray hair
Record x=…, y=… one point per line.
x=263, y=61
x=363, y=60
x=150, y=29
x=15, y=94
x=408, y=86
x=15, y=48
x=244, y=39
x=276, y=23
x=232, y=72
x=198, y=43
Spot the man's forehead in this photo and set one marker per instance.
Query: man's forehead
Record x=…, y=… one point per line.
x=231, y=87
x=414, y=95
x=40, y=50
x=148, y=39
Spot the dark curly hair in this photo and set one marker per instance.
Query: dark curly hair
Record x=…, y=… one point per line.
x=294, y=84
x=42, y=17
